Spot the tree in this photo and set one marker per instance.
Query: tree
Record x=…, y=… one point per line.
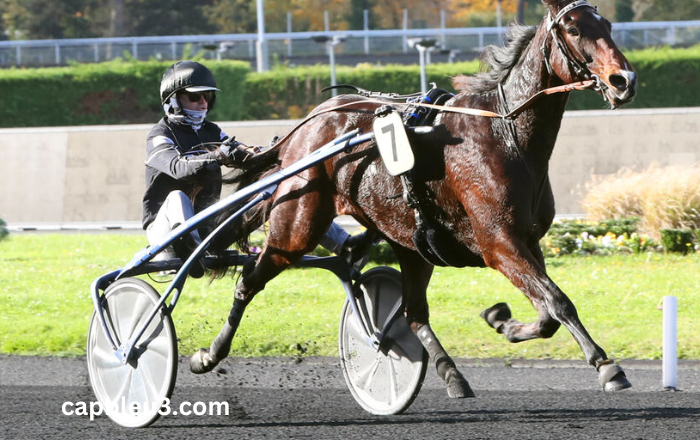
x=481, y=12
x=356, y=20
x=276, y=15
x=624, y=10
x=38, y=19
x=667, y=10
x=4, y=34
x=529, y=12
x=232, y=16
x=116, y=18
x=159, y=17
x=389, y=13
x=313, y=11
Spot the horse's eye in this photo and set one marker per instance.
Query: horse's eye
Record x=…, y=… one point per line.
x=572, y=31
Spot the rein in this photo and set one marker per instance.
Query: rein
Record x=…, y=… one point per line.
x=583, y=85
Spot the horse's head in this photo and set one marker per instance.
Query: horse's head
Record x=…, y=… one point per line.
x=579, y=46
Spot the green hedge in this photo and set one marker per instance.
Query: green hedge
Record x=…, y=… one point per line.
x=665, y=75
x=120, y=92
x=666, y=78
x=3, y=230
x=677, y=240
x=116, y=92
x=293, y=92
x=613, y=236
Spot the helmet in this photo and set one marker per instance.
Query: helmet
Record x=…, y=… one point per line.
x=187, y=75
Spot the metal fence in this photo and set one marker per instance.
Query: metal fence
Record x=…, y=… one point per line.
x=302, y=44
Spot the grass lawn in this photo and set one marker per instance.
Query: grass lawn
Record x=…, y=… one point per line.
x=45, y=306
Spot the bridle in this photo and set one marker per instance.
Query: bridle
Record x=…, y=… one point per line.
x=577, y=63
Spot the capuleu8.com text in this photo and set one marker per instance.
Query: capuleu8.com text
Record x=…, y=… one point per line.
x=94, y=409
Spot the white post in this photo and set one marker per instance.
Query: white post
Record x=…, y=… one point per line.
x=405, y=30
x=671, y=35
x=423, y=79
x=498, y=20
x=670, y=350
x=261, y=46
x=326, y=21
x=331, y=56
x=289, y=31
x=365, y=16
x=442, y=27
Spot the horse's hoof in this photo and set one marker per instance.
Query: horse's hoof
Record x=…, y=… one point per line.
x=457, y=385
x=617, y=383
x=612, y=378
x=201, y=362
x=496, y=315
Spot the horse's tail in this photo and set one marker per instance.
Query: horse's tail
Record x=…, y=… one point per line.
x=248, y=172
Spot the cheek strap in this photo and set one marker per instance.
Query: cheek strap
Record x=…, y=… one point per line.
x=552, y=25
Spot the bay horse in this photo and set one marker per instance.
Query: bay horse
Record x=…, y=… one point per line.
x=485, y=184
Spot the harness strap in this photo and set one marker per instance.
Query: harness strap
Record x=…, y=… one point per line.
x=512, y=137
x=583, y=85
x=462, y=110
x=370, y=94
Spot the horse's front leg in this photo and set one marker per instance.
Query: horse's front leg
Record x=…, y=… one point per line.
x=499, y=317
x=526, y=271
x=415, y=274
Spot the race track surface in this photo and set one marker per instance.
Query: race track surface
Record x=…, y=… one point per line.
x=285, y=398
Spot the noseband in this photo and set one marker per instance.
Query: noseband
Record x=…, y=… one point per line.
x=553, y=31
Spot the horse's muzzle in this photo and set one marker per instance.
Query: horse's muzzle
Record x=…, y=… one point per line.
x=622, y=87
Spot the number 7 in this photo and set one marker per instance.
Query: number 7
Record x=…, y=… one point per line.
x=390, y=128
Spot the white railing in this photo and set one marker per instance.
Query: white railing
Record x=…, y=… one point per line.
x=300, y=44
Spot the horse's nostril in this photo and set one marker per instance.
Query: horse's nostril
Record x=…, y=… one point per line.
x=620, y=82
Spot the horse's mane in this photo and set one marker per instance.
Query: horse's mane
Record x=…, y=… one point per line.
x=497, y=62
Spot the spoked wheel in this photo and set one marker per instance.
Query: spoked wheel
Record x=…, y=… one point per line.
x=132, y=394
x=386, y=381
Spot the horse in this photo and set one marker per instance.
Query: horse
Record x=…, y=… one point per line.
x=481, y=186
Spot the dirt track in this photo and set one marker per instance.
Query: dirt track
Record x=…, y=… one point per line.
x=279, y=398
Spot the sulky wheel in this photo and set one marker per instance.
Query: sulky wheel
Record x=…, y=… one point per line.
x=386, y=381
x=131, y=394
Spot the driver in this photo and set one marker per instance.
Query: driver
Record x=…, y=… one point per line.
x=183, y=165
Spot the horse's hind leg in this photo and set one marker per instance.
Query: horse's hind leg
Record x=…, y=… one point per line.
x=296, y=227
x=255, y=275
x=526, y=271
x=254, y=278
x=416, y=273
